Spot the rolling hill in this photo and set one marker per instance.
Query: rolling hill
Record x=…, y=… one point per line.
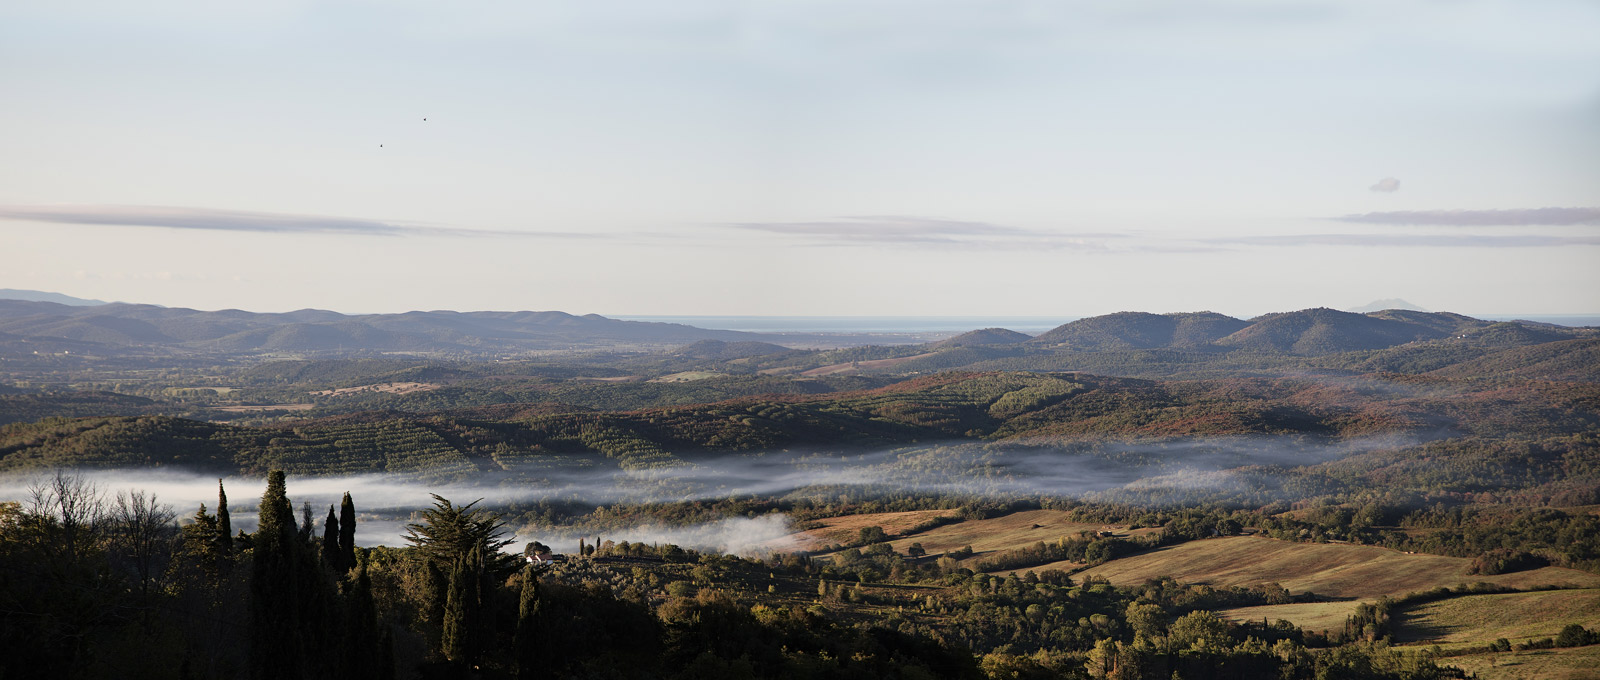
x=985, y=336
x=1141, y=330
x=320, y=330
x=727, y=351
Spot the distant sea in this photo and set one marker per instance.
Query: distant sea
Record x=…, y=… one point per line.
x=861, y=324
x=1559, y=320
x=1032, y=325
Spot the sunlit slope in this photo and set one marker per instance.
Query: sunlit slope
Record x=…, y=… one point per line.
x=1015, y=530
x=1329, y=569
x=846, y=529
x=1315, y=616
x=1574, y=663
x=1517, y=617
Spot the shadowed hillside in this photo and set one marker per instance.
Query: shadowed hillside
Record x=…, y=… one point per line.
x=985, y=336
x=725, y=351
x=1141, y=330
x=312, y=330
x=1324, y=331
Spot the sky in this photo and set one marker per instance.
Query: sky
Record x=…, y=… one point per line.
x=849, y=157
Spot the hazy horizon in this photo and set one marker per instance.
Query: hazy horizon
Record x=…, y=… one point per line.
x=895, y=325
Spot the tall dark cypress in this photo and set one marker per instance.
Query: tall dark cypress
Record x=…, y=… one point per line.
x=363, y=639
x=453, y=637
x=347, y=531
x=224, y=525
x=305, y=522
x=435, y=592
x=461, y=610
x=526, y=646
x=330, y=544
x=274, y=597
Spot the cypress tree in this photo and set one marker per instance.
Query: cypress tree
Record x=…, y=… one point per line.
x=296, y=614
x=435, y=590
x=274, y=647
x=276, y=526
x=527, y=638
x=452, y=642
x=347, y=531
x=462, y=604
x=305, y=522
x=224, y=525
x=330, y=544
x=362, y=646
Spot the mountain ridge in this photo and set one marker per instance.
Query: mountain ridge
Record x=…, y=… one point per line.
x=315, y=330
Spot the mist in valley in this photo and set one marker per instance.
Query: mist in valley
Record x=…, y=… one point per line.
x=1150, y=472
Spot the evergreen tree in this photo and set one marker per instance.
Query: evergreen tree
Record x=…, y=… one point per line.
x=296, y=615
x=198, y=541
x=461, y=609
x=526, y=645
x=204, y=520
x=330, y=544
x=347, y=531
x=274, y=648
x=448, y=531
x=224, y=524
x=306, y=533
x=435, y=589
x=363, y=643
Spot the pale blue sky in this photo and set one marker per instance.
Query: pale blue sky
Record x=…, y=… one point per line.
x=933, y=158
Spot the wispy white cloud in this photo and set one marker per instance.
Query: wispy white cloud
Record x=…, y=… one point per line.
x=1387, y=185
x=1409, y=240
x=922, y=231
x=175, y=217
x=1480, y=218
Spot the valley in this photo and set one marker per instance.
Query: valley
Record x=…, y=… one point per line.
x=1307, y=489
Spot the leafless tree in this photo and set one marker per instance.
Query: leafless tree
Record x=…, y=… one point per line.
x=141, y=531
x=76, y=505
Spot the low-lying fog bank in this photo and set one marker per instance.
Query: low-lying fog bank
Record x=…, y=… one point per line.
x=1156, y=472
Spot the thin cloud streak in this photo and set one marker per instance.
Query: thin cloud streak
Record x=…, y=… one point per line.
x=875, y=230
x=1410, y=241
x=1557, y=217
x=209, y=219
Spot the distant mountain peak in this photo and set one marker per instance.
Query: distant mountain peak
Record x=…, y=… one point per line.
x=1390, y=303
x=44, y=296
